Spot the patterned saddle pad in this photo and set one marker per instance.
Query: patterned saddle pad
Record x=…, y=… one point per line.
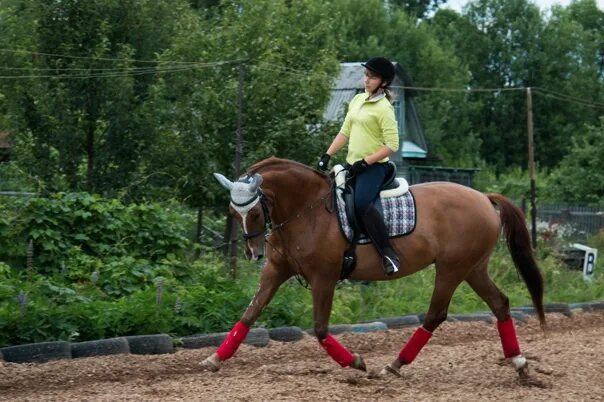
x=398, y=213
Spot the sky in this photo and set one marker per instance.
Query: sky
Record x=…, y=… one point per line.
x=543, y=4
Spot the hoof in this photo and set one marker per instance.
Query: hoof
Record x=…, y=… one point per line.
x=212, y=363
x=388, y=370
x=358, y=363
x=523, y=372
x=521, y=366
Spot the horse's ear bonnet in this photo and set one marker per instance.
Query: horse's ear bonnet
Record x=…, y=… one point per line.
x=226, y=183
x=255, y=182
x=243, y=190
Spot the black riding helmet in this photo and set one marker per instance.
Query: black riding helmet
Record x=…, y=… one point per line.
x=382, y=67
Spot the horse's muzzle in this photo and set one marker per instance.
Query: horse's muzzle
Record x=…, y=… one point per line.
x=255, y=252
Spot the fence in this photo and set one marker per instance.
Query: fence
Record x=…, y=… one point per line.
x=422, y=174
x=584, y=221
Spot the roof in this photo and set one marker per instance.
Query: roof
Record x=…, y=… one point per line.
x=412, y=150
x=4, y=143
x=350, y=83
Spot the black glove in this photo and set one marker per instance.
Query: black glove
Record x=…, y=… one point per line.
x=323, y=162
x=357, y=168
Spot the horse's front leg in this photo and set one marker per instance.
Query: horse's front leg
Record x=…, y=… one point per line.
x=272, y=277
x=322, y=294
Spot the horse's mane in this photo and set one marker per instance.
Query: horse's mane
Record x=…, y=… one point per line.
x=274, y=163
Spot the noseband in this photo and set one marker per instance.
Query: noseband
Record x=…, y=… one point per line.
x=258, y=197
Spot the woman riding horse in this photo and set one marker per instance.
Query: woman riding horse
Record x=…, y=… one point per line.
x=457, y=229
x=372, y=129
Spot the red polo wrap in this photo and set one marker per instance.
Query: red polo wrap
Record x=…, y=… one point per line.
x=337, y=352
x=233, y=340
x=509, y=341
x=418, y=340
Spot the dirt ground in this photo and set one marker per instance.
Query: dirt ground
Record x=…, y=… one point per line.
x=462, y=362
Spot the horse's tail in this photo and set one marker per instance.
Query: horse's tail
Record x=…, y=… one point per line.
x=519, y=244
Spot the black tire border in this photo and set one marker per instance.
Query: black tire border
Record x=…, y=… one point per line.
x=101, y=347
x=156, y=344
x=37, y=352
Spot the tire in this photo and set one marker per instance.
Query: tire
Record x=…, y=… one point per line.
x=338, y=329
x=529, y=310
x=484, y=317
x=285, y=334
x=103, y=347
x=561, y=308
x=369, y=327
x=203, y=341
x=400, y=322
x=150, y=344
x=37, y=352
x=596, y=306
x=257, y=337
x=586, y=306
x=519, y=316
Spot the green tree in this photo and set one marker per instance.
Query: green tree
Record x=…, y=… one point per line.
x=418, y=8
x=78, y=121
x=369, y=29
x=573, y=46
x=508, y=44
x=287, y=53
x=510, y=31
x=580, y=178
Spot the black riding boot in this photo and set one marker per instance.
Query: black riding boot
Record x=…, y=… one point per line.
x=378, y=233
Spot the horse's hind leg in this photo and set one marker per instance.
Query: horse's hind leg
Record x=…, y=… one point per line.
x=446, y=282
x=499, y=304
x=272, y=277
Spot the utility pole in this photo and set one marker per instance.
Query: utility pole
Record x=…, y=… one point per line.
x=531, y=166
x=238, y=152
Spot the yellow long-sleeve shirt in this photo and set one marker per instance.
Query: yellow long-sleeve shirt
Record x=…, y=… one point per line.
x=369, y=125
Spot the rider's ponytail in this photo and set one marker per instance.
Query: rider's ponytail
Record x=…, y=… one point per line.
x=389, y=94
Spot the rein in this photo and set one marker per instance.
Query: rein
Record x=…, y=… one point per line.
x=307, y=207
x=268, y=224
x=299, y=277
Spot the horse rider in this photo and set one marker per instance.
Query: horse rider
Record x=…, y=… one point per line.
x=371, y=130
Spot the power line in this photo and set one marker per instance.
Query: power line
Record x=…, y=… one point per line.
x=100, y=75
x=435, y=89
x=178, y=66
x=568, y=98
x=124, y=72
x=110, y=69
x=65, y=56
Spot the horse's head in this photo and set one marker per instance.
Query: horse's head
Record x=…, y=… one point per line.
x=250, y=207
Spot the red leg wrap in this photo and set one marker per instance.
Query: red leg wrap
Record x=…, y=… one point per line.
x=418, y=340
x=233, y=340
x=337, y=352
x=509, y=341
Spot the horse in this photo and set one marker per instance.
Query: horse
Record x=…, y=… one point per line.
x=457, y=229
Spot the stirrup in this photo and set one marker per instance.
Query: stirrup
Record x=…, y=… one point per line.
x=391, y=265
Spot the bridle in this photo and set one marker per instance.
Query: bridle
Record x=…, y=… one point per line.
x=258, y=197
x=268, y=224
x=268, y=228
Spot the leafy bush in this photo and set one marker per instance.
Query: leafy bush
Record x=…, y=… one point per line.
x=80, y=227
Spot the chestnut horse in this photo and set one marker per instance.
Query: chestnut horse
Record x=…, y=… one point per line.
x=457, y=229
